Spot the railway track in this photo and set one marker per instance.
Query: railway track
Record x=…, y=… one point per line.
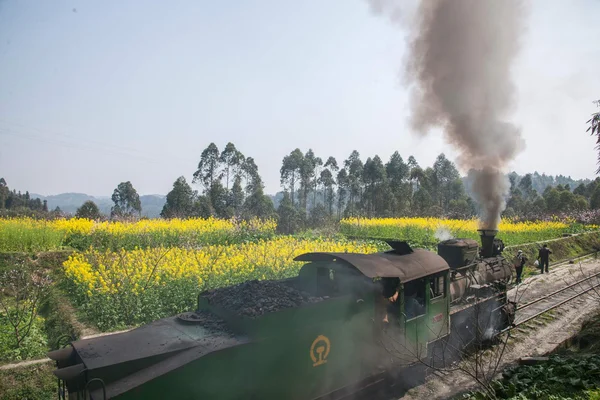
x=534, y=308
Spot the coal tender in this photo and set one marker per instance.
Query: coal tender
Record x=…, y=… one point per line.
x=327, y=331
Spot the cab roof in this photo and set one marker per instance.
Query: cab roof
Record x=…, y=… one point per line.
x=402, y=262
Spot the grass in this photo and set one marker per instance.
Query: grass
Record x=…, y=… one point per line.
x=17, y=237
x=34, y=382
x=587, y=341
x=60, y=321
x=33, y=346
x=55, y=316
x=564, y=249
x=57, y=319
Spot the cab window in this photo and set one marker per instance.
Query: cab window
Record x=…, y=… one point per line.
x=437, y=287
x=326, y=282
x=414, y=299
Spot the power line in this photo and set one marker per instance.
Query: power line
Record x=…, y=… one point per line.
x=71, y=137
x=75, y=146
x=82, y=143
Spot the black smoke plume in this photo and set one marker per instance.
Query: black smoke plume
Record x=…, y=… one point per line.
x=460, y=54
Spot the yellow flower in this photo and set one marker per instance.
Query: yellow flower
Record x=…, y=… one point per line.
x=451, y=224
x=136, y=271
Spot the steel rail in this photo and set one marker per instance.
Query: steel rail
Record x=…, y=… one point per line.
x=556, y=292
x=514, y=325
x=568, y=260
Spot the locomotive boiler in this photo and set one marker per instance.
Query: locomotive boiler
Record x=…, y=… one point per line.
x=314, y=335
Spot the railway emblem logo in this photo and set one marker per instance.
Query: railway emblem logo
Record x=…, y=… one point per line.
x=319, y=350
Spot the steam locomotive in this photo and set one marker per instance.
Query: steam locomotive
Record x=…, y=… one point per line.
x=330, y=328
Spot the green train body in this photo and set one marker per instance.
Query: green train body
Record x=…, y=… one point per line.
x=303, y=352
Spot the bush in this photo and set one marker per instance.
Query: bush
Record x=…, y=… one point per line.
x=34, y=345
x=559, y=378
x=59, y=319
x=23, y=288
x=34, y=382
x=89, y=210
x=29, y=236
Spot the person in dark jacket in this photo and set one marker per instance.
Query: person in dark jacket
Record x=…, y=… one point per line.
x=544, y=257
x=520, y=261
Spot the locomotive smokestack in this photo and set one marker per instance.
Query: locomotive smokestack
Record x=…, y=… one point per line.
x=487, y=241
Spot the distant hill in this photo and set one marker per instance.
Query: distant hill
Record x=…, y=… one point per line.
x=152, y=205
x=69, y=202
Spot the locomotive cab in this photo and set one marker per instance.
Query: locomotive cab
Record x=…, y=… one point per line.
x=422, y=295
x=418, y=317
x=410, y=302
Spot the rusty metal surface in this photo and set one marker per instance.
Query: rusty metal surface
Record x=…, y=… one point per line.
x=489, y=270
x=458, y=288
x=400, y=247
x=142, y=376
x=469, y=243
x=162, y=337
x=494, y=269
x=126, y=360
x=407, y=267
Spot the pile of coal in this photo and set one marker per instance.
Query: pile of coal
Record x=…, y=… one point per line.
x=255, y=298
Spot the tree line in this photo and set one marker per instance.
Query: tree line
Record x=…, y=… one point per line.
x=320, y=190
x=527, y=202
x=13, y=203
x=231, y=187
x=316, y=192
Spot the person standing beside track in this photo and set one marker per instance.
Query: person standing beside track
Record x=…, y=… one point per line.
x=544, y=257
x=519, y=263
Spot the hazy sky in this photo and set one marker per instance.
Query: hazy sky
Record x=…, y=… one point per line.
x=95, y=93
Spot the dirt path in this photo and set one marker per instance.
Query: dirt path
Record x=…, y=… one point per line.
x=537, y=337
